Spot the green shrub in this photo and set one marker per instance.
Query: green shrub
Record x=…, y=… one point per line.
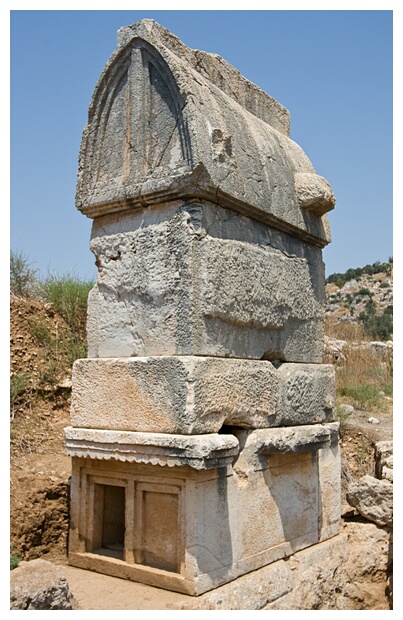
x=68, y=295
x=355, y=274
x=378, y=326
x=365, y=291
x=73, y=347
x=22, y=277
x=60, y=342
x=18, y=385
x=14, y=561
x=388, y=389
x=40, y=331
x=60, y=348
x=341, y=417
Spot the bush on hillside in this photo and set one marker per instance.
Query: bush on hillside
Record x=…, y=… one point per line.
x=23, y=278
x=377, y=326
x=68, y=295
x=60, y=343
x=355, y=274
x=365, y=291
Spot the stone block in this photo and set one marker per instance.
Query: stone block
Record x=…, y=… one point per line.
x=307, y=393
x=186, y=279
x=384, y=460
x=195, y=395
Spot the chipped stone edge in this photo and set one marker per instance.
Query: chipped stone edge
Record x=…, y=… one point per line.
x=297, y=438
x=208, y=451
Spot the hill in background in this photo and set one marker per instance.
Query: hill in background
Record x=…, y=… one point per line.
x=361, y=298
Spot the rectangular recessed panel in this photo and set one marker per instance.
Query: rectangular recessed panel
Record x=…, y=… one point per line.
x=109, y=530
x=160, y=530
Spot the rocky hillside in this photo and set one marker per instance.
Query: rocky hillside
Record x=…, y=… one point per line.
x=362, y=297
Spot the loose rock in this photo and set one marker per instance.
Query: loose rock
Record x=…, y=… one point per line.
x=373, y=499
x=39, y=585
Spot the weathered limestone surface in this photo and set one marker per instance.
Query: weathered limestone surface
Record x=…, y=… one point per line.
x=200, y=136
x=198, y=394
x=347, y=572
x=308, y=580
x=344, y=573
x=191, y=279
x=217, y=523
x=314, y=192
x=198, y=451
x=321, y=442
x=39, y=585
x=373, y=499
x=384, y=460
x=205, y=328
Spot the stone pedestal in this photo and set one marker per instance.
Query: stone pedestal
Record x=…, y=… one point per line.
x=192, y=513
x=203, y=437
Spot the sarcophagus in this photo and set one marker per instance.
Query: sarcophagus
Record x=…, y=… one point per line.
x=203, y=437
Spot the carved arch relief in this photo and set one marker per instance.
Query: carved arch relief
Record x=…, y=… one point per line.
x=137, y=129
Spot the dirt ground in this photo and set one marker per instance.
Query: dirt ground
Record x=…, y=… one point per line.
x=40, y=470
x=96, y=591
x=39, y=465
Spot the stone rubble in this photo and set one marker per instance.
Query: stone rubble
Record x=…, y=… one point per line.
x=373, y=499
x=372, y=496
x=38, y=584
x=384, y=460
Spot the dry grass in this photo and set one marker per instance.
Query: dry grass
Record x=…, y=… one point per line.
x=364, y=378
x=351, y=332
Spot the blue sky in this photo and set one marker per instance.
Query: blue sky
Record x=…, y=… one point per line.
x=331, y=69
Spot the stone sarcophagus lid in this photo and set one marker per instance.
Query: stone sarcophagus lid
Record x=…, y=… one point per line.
x=202, y=423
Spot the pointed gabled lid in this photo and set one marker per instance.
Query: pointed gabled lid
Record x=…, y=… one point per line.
x=167, y=122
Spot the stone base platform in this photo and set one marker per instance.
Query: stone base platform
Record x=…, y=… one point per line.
x=310, y=579
x=314, y=578
x=190, y=514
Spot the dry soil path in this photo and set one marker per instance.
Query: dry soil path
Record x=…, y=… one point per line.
x=95, y=591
